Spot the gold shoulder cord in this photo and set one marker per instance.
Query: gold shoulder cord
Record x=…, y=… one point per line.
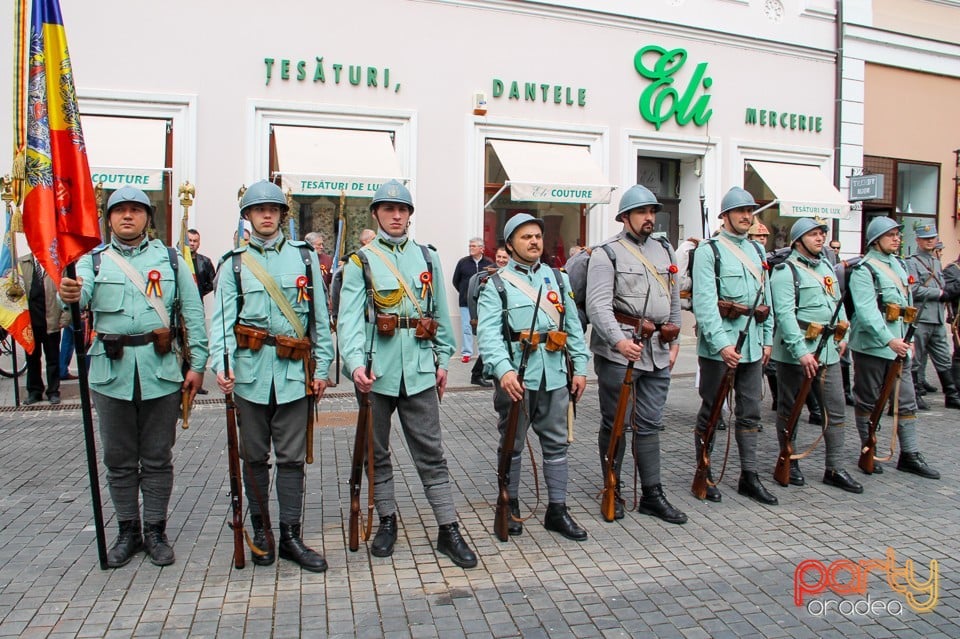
x=381, y=301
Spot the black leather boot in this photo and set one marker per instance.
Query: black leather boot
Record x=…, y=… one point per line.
x=713, y=493
x=558, y=520
x=293, y=548
x=655, y=503
x=155, y=541
x=916, y=464
x=751, y=487
x=452, y=544
x=921, y=403
x=796, y=477
x=772, y=381
x=514, y=527
x=927, y=387
x=129, y=542
x=386, y=537
x=842, y=479
x=951, y=396
x=261, y=541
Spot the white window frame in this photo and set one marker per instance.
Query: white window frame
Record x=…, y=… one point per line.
x=480, y=129
x=263, y=114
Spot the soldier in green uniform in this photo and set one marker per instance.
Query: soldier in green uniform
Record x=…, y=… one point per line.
x=505, y=308
x=805, y=295
x=728, y=273
x=631, y=281
x=394, y=287
x=271, y=316
x=930, y=294
x=133, y=286
x=881, y=296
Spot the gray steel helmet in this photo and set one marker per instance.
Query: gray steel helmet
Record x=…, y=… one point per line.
x=129, y=194
x=635, y=197
x=734, y=199
x=803, y=226
x=263, y=192
x=519, y=220
x=924, y=230
x=880, y=226
x=392, y=191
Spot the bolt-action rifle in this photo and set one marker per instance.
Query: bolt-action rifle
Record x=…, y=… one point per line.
x=502, y=514
x=362, y=452
x=869, y=450
x=781, y=472
x=233, y=463
x=608, y=497
x=699, y=487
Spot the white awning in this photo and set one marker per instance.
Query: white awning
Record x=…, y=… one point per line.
x=542, y=172
x=126, y=151
x=802, y=190
x=321, y=161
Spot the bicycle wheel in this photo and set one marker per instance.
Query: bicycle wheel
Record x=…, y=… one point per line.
x=7, y=344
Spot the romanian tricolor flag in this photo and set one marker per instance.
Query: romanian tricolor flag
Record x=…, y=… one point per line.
x=14, y=314
x=59, y=207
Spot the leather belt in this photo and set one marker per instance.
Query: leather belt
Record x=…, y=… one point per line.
x=407, y=322
x=129, y=340
x=631, y=321
x=538, y=338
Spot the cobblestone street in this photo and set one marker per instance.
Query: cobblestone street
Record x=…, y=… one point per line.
x=729, y=572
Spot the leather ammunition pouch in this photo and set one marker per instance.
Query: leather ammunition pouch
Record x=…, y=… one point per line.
x=161, y=338
x=841, y=330
x=669, y=332
x=426, y=328
x=386, y=324
x=732, y=310
x=761, y=313
x=112, y=345
x=892, y=312
x=556, y=341
x=251, y=338
x=294, y=348
x=812, y=330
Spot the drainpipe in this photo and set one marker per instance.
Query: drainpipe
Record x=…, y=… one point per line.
x=837, y=114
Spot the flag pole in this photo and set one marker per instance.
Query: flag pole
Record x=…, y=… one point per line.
x=59, y=226
x=80, y=345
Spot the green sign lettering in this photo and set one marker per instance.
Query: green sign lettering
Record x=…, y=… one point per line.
x=538, y=92
x=375, y=76
x=660, y=101
x=784, y=120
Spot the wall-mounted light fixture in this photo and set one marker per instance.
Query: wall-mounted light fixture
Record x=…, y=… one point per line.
x=956, y=184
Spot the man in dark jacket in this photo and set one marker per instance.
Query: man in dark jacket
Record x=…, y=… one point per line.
x=205, y=271
x=466, y=268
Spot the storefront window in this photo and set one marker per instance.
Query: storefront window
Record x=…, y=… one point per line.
x=135, y=152
x=662, y=177
x=564, y=222
x=778, y=225
x=330, y=176
x=912, y=199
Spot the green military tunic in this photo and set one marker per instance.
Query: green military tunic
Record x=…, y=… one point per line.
x=258, y=371
x=871, y=332
x=401, y=357
x=550, y=367
x=735, y=283
x=120, y=307
x=814, y=298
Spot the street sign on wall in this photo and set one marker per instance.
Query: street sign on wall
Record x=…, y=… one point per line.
x=866, y=187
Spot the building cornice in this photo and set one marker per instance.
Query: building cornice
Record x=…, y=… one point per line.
x=888, y=48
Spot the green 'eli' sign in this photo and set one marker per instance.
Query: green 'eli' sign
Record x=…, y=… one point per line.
x=661, y=100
